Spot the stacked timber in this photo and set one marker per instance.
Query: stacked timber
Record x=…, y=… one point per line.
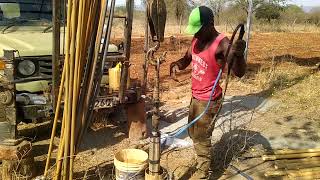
x=294, y=164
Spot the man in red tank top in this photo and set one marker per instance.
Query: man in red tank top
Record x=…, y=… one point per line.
x=207, y=56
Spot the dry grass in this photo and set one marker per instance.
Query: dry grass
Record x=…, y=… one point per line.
x=277, y=27
x=295, y=87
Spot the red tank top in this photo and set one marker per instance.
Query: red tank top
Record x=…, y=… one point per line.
x=205, y=70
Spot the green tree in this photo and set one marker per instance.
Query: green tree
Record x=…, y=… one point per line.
x=314, y=16
x=243, y=4
x=268, y=11
x=293, y=14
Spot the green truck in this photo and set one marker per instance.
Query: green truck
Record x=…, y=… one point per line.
x=26, y=65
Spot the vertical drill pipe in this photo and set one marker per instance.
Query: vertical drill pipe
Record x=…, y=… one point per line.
x=66, y=61
x=146, y=48
x=55, y=122
x=92, y=72
x=56, y=49
x=75, y=83
x=89, y=62
x=127, y=47
x=74, y=19
x=81, y=55
x=107, y=39
x=249, y=22
x=60, y=151
x=154, y=153
x=156, y=99
x=101, y=64
x=66, y=64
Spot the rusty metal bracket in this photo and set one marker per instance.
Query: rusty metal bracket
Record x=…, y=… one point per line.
x=152, y=60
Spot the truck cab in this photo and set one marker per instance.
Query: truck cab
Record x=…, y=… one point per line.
x=26, y=65
x=26, y=68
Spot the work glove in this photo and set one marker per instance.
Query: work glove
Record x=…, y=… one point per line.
x=238, y=48
x=173, y=69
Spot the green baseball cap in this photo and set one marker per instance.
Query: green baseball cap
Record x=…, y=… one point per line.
x=199, y=17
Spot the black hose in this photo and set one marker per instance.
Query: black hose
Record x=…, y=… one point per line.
x=240, y=172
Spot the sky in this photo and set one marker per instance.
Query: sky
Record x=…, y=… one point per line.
x=298, y=2
x=307, y=2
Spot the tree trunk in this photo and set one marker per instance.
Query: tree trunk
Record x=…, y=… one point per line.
x=180, y=23
x=294, y=22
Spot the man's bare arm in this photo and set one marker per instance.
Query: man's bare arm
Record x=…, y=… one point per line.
x=236, y=56
x=185, y=61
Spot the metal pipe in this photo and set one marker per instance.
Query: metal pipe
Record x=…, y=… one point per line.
x=69, y=93
x=156, y=98
x=84, y=90
x=249, y=23
x=127, y=47
x=55, y=122
x=55, y=49
x=92, y=72
x=107, y=39
x=80, y=37
x=154, y=154
x=146, y=48
x=101, y=64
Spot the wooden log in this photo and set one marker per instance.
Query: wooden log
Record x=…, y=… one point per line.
x=301, y=172
x=18, y=169
x=289, y=156
x=15, y=152
x=297, y=165
x=293, y=151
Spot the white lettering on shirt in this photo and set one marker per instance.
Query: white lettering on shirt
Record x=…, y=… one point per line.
x=199, y=67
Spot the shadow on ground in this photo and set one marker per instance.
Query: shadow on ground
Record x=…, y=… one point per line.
x=232, y=145
x=111, y=131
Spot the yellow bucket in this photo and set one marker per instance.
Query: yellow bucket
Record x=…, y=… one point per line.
x=130, y=164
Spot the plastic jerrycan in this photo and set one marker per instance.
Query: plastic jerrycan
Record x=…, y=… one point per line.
x=115, y=77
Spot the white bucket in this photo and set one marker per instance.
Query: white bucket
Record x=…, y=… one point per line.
x=130, y=164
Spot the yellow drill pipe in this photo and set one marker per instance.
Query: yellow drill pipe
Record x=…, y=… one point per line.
x=75, y=82
x=55, y=122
